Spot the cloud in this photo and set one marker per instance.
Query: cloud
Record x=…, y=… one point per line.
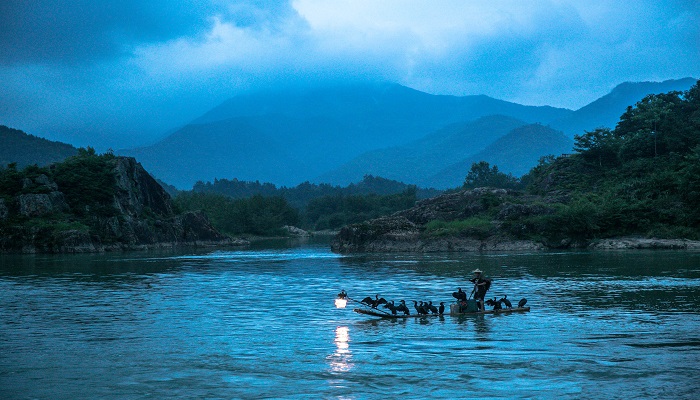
x=114, y=70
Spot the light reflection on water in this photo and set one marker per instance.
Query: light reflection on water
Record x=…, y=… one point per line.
x=262, y=324
x=341, y=359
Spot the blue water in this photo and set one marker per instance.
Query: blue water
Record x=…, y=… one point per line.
x=261, y=323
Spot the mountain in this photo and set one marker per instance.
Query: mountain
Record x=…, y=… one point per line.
x=606, y=111
x=289, y=136
x=425, y=157
x=24, y=149
x=515, y=153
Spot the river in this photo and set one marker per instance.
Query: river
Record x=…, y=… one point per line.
x=261, y=323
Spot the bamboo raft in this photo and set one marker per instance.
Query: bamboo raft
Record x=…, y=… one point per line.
x=380, y=314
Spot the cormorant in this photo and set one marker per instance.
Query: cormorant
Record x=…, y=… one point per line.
x=431, y=307
x=402, y=307
x=419, y=308
x=460, y=295
x=390, y=305
x=441, y=309
x=373, y=302
x=495, y=303
x=522, y=302
x=505, y=301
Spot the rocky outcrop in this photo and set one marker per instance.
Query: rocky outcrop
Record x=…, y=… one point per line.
x=40, y=204
x=405, y=230
x=510, y=214
x=295, y=232
x=140, y=215
x=644, y=243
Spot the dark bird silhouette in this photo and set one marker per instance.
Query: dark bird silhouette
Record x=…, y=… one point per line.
x=390, y=305
x=504, y=300
x=494, y=303
x=460, y=295
x=373, y=302
x=431, y=307
x=522, y=302
x=419, y=308
x=402, y=308
x=441, y=309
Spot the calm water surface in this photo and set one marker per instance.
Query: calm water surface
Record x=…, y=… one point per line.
x=260, y=323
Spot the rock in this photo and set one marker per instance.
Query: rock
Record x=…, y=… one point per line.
x=644, y=243
x=40, y=204
x=137, y=191
x=197, y=228
x=294, y=231
x=404, y=230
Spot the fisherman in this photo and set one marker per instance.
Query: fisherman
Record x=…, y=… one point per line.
x=481, y=285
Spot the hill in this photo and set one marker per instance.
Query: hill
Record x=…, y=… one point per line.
x=291, y=136
x=606, y=111
x=419, y=160
x=514, y=153
x=24, y=149
x=90, y=203
x=635, y=186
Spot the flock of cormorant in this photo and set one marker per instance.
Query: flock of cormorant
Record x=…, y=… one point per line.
x=427, y=307
x=422, y=308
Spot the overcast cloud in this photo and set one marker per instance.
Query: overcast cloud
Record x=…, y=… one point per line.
x=118, y=73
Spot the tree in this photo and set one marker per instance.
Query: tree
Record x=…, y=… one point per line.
x=601, y=145
x=482, y=174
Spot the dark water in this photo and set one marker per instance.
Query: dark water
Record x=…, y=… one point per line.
x=261, y=323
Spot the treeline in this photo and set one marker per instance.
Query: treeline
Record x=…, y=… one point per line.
x=641, y=178
x=266, y=215
x=300, y=195
x=238, y=207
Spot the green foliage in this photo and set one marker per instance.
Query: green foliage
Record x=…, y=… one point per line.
x=642, y=178
x=88, y=182
x=332, y=212
x=257, y=215
x=482, y=174
x=600, y=145
x=300, y=195
x=478, y=227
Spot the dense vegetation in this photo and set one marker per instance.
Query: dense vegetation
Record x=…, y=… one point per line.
x=266, y=214
x=86, y=183
x=641, y=178
x=237, y=207
x=301, y=195
x=257, y=215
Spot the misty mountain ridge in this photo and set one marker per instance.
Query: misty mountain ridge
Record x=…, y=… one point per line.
x=422, y=158
x=606, y=111
x=313, y=131
x=24, y=149
x=338, y=134
x=514, y=153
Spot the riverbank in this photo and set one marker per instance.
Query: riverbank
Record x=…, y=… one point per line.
x=484, y=219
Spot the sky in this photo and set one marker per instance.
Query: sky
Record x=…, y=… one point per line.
x=122, y=73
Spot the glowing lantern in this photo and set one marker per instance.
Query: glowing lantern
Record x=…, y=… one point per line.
x=342, y=299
